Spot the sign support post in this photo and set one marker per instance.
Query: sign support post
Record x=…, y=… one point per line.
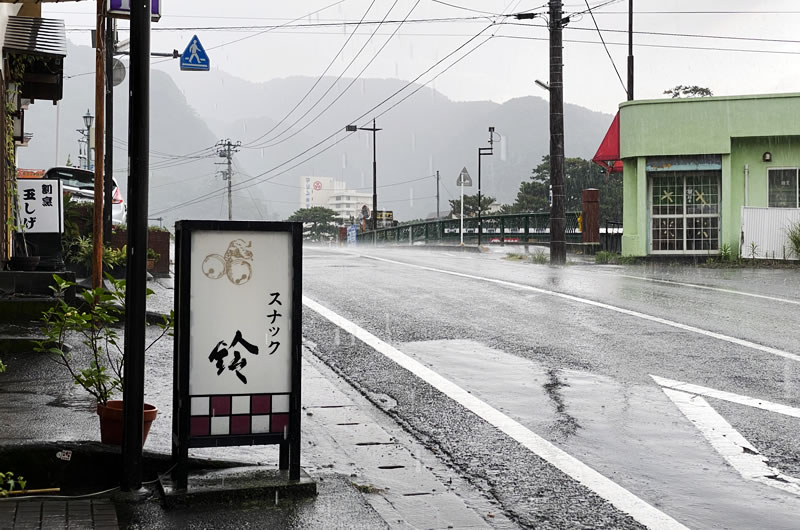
x=463, y=180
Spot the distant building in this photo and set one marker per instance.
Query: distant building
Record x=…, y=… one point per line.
x=331, y=193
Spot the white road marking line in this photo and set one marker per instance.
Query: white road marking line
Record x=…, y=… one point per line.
x=629, y=312
x=602, y=486
x=710, y=288
x=763, y=404
x=733, y=447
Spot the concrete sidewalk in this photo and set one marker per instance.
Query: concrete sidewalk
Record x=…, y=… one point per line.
x=369, y=472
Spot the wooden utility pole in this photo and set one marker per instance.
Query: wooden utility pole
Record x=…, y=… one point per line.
x=99, y=112
x=558, y=243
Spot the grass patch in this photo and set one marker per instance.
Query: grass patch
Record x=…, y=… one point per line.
x=793, y=234
x=368, y=489
x=514, y=256
x=605, y=257
x=540, y=257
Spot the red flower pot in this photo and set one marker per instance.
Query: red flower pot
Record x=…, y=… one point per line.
x=111, y=421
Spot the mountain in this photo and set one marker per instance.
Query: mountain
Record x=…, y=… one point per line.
x=191, y=111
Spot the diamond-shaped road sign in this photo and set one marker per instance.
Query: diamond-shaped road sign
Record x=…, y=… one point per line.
x=464, y=179
x=194, y=56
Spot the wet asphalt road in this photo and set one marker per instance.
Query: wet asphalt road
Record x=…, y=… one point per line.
x=576, y=374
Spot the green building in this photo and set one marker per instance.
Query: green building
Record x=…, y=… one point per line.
x=701, y=174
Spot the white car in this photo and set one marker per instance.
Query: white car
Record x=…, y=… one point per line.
x=80, y=183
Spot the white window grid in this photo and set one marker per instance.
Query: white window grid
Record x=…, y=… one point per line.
x=684, y=208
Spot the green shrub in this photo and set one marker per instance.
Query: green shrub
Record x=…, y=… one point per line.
x=540, y=257
x=604, y=257
x=10, y=482
x=793, y=233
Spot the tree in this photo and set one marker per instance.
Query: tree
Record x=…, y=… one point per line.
x=580, y=174
x=471, y=205
x=321, y=220
x=694, y=91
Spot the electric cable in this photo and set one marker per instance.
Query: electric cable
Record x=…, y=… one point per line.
x=264, y=145
x=320, y=77
x=464, y=44
x=600, y=34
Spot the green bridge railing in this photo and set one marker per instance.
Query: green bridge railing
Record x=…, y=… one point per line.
x=524, y=229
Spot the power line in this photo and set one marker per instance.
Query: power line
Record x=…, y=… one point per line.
x=665, y=46
x=256, y=178
x=272, y=27
x=321, y=76
x=600, y=34
x=339, y=96
x=467, y=8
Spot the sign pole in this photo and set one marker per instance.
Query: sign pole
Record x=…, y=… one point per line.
x=136, y=284
x=462, y=211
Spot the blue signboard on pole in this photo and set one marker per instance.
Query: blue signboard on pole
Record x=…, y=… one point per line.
x=194, y=56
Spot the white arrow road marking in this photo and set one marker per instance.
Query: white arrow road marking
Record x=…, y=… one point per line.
x=621, y=498
x=786, y=410
x=734, y=448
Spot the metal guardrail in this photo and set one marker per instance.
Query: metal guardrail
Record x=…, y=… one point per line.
x=522, y=229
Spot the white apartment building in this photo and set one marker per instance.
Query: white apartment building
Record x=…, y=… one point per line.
x=331, y=193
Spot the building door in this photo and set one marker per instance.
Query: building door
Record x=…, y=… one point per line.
x=684, y=207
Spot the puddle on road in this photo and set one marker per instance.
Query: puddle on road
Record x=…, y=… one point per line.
x=630, y=433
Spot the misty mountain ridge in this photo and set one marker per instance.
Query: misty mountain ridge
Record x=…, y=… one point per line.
x=191, y=111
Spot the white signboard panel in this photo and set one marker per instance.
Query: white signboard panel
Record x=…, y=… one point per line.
x=39, y=203
x=241, y=313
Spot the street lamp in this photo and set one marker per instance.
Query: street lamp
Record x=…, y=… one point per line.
x=88, y=121
x=483, y=151
x=353, y=128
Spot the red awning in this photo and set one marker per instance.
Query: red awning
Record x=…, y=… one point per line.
x=607, y=154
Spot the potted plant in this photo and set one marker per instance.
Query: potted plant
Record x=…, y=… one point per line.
x=99, y=369
x=79, y=256
x=152, y=258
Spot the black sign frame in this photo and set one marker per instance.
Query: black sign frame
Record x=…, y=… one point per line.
x=289, y=458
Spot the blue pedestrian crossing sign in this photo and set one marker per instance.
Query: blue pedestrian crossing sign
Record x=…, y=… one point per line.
x=194, y=56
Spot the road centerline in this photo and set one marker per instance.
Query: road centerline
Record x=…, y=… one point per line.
x=617, y=309
x=612, y=492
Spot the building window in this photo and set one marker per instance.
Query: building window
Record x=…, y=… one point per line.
x=783, y=188
x=685, y=212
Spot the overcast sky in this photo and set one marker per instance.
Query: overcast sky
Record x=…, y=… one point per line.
x=506, y=65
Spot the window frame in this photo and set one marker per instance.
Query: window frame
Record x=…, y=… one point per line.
x=686, y=219
x=796, y=185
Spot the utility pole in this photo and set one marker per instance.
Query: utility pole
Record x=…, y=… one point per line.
x=437, y=196
x=483, y=151
x=558, y=243
x=226, y=150
x=630, y=50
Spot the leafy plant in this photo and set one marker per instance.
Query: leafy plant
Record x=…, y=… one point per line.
x=9, y=481
x=793, y=233
x=753, y=252
x=603, y=257
x=540, y=257
x=152, y=254
x=80, y=250
x=725, y=252
x=94, y=321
